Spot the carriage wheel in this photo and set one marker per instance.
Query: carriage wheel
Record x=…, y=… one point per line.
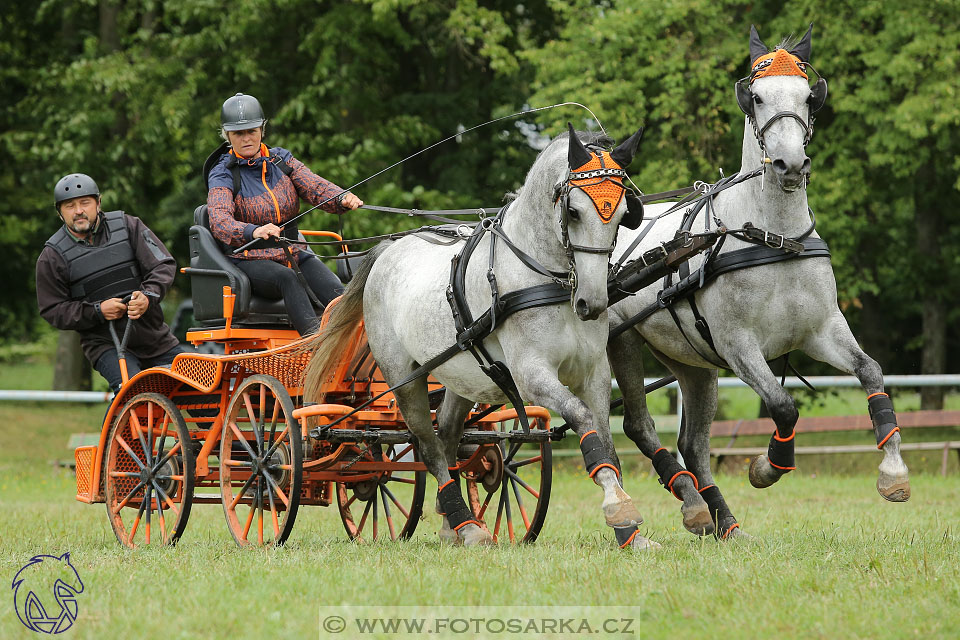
x=148, y=472
x=389, y=505
x=508, y=486
x=261, y=463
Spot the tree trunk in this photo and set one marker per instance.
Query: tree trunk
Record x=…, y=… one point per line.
x=928, y=219
x=71, y=371
x=109, y=35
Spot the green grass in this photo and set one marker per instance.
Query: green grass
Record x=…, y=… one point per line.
x=829, y=558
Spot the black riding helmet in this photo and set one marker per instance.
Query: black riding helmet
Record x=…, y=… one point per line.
x=74, y=185
x=241, y=112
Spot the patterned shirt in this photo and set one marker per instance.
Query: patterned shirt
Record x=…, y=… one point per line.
x=266, y=195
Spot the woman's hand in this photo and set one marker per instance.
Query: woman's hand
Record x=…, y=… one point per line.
x=350, y=201
x=266, y=231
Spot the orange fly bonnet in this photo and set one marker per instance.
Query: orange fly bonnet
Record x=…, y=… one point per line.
x=602, y=180
x=777, y=63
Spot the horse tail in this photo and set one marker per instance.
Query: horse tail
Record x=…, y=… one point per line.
x=328, y=344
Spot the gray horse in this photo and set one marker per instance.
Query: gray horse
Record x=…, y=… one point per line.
x=555, y=353
x=755, y=314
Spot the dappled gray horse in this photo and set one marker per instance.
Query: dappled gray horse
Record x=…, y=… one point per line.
x=565, y=218
x=743, y=318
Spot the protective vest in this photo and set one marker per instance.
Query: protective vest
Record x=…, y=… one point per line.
x=97, y=273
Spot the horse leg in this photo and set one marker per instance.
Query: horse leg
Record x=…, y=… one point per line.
x=836, y=346
x=627, y=363
x=542, y=387
x=451, y=415
x=699, y=408
x=415, y=406
x=748, y=363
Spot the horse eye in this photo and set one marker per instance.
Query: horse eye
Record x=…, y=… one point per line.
x=756, y=99
x=573, y=213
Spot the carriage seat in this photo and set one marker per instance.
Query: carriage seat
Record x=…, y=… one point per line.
x=206, y=252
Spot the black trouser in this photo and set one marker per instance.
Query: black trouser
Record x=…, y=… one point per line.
x=108, y=364
x=274, y=280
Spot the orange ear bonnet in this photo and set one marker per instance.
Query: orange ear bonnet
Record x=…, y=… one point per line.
x=602, y=180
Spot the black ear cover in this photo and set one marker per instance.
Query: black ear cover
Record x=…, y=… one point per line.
x=634, y=215
x=745, y=96
x=818, y=95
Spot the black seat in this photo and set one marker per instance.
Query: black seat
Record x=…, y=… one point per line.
x=207, y=254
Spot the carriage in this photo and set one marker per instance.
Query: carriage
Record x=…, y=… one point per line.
x=234, y=429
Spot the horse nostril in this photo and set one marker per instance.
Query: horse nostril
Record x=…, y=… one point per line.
x=805, y=168
x=779, y=166
x=582, y=308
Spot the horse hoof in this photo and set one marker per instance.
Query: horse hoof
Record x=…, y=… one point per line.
x=620, y=511
x=894, y=489
x=473, y=536
x=697, y=520
x=762, y=473
x=640, y=543
x=737, y=533
x=448, y=536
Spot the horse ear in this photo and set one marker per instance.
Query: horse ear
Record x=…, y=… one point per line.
x=577, y=154
x=626, y=150
x=757, y=48
x=744, y=97
x=65, y=556
x=802, y=50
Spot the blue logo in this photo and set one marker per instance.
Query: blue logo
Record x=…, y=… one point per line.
x=45, y=594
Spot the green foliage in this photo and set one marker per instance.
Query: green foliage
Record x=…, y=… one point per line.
x=130, y=93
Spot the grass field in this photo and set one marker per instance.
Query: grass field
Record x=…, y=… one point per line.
x=828, y=558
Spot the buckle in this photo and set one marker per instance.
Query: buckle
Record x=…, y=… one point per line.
x=773, y=244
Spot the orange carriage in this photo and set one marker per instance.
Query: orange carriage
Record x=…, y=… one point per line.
x=234, y=429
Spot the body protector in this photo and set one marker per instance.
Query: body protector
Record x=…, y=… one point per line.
x=97, y=273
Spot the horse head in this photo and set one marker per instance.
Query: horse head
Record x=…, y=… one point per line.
x=41, y=582
x=779, y=104
x=591, y=201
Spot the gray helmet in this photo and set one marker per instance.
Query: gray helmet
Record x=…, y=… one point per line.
x=74, y=186
x=241, y=112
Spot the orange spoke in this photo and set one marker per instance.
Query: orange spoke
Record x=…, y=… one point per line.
x=236, y=463
x=124, y=474
x=242, y=439
x=386, y=512
x=126, y=447
x=527, y=461
x=523, y=512
x=523, y=484
x=276, y=443
x=124, y=502
x=483, y=507
x=393, y=499
x=402, y=480
x=363, y=519
x=246, y=527
x=252, y=417
x=280, y=493
x=169, y=454
x=239, y=497
x=400, y=455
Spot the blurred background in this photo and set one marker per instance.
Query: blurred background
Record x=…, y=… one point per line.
x=130, y=93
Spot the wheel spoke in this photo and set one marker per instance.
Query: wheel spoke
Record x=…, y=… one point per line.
x=124, y=474
x=516, y=478
x=241, y=439
x=126, y=447
x=253, y=419
x=397, y=456
x=509, y=514
x=496, y=526
x=166, y=498
x=273, y=420
x=523, y=512
x=387, y=515
x=273, y=508
x=238, y=463
x=124, y=502
x=169, y=454
x=363, y=518
x=163, y=434
x=148, y=499
x=393, y=498
x=276, y=487
x=402, y=480
x=163, y=528
x=376, y=514
x=136, y=523
x=517, y=465
x=134, y=423
x=239, y=496
x=276, y=443
x=149, y=429
x=246, y=527
x=259, y=512
x=483, y=507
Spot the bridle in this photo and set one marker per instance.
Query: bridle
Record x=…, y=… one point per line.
x=588, y=179
x=745, y=99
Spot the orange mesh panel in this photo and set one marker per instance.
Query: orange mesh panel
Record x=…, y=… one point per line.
x=781, y=63
x=84, y=458
x=285, y=366
x=203, y=372
x=605, y=192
